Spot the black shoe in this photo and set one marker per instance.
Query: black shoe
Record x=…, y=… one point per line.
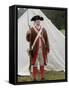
x=42, y=79
x=34, y=80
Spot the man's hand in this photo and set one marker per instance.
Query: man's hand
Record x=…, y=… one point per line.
x=47, y=50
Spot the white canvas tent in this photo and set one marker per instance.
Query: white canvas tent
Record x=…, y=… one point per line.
x=56, y=57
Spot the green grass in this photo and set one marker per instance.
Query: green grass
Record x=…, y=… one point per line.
x=50, y=75
x=63, y=31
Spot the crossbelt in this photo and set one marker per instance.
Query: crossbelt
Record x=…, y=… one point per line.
x=38, y=35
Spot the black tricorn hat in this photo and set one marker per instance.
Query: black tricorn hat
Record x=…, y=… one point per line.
x=37, y=17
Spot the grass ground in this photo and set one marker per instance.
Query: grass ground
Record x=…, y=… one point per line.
x=63, y=31
x=50, y=75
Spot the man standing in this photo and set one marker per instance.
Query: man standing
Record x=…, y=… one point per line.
x=39, y=46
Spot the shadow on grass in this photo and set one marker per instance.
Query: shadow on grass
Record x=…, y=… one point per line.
x=50, y=75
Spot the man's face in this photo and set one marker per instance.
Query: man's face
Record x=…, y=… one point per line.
x=37, y=22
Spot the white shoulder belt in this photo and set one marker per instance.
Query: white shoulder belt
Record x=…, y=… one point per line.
x=38, y=35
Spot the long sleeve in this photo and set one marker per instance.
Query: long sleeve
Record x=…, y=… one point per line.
x=28, y=35
x=46, y=40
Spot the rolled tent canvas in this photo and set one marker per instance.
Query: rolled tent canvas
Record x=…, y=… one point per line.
x=56, y=57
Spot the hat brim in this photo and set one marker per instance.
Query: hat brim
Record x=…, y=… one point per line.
x=37, y=18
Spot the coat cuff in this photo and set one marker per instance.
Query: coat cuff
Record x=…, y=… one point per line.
x=47, y=49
